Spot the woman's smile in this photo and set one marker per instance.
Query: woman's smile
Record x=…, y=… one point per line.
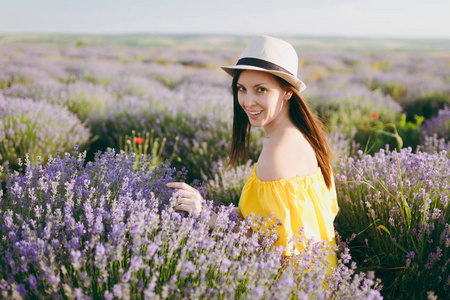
x=254, y=114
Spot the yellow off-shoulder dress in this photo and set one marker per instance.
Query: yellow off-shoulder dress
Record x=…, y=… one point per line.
x=303, y=201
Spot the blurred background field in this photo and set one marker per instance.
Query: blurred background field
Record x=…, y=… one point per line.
x=385, y=103
x=228, y=41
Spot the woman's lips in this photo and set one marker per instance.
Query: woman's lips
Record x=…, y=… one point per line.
x=254, y=114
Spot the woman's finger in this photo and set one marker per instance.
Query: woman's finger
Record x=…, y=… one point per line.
x=187, y=201
x=176, y=185
x=181, y=186
x=187, y=208
x=183, y=207
x=194, y=204
x=183, y=194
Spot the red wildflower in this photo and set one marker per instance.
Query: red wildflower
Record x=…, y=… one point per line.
x=375, y=116
x=138, y=140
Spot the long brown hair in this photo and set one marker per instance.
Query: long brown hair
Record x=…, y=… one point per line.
x=301, y=115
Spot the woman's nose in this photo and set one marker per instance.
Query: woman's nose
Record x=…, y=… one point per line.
x=249, y=100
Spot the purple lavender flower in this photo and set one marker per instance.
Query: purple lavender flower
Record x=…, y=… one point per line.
x=37, y=128
x=411, y=192
x=439, y=125
x=144, y=246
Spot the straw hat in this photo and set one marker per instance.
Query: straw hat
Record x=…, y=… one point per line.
x=271, y=55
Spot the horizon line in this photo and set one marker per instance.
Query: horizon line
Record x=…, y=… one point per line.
x=335, y=36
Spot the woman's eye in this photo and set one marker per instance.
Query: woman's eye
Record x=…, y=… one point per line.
x=241, y=88
x=261, y=89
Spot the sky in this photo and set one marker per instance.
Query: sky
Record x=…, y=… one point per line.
x=349, y=18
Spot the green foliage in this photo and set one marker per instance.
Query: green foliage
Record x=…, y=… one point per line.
x=167, y=81
x=80, y=44
x=396, y=90
x=397, y=135
x=427, y=106
x=384, y=66
x=147, y=145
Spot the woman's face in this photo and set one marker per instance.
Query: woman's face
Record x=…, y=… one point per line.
x=263, y=99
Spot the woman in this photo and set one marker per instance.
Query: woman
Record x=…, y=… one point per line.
x=292, y=177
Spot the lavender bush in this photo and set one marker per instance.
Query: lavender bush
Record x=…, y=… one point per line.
x=42, y=89
x=226, y=185
x=84, y=99
x=139, y=86
x=418, y=93
x=108, y=230
x=353, y=110
x=13, y=74
x=433, y=144
x=37, y=128
x=415, y=73
x=394, y=212
x=350, y=105
x=440, y=125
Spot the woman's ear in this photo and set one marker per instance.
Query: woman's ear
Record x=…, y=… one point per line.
x=288, y=95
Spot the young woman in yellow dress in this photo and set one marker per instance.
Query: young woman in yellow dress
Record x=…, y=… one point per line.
x=292, y=177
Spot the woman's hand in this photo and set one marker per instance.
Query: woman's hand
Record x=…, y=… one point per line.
x=188, y=198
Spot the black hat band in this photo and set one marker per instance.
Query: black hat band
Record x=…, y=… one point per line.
x=256, y=62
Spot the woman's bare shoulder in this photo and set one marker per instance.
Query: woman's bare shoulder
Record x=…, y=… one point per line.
x=289, y=156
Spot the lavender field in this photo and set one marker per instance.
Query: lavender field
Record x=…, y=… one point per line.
x=90, y=135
